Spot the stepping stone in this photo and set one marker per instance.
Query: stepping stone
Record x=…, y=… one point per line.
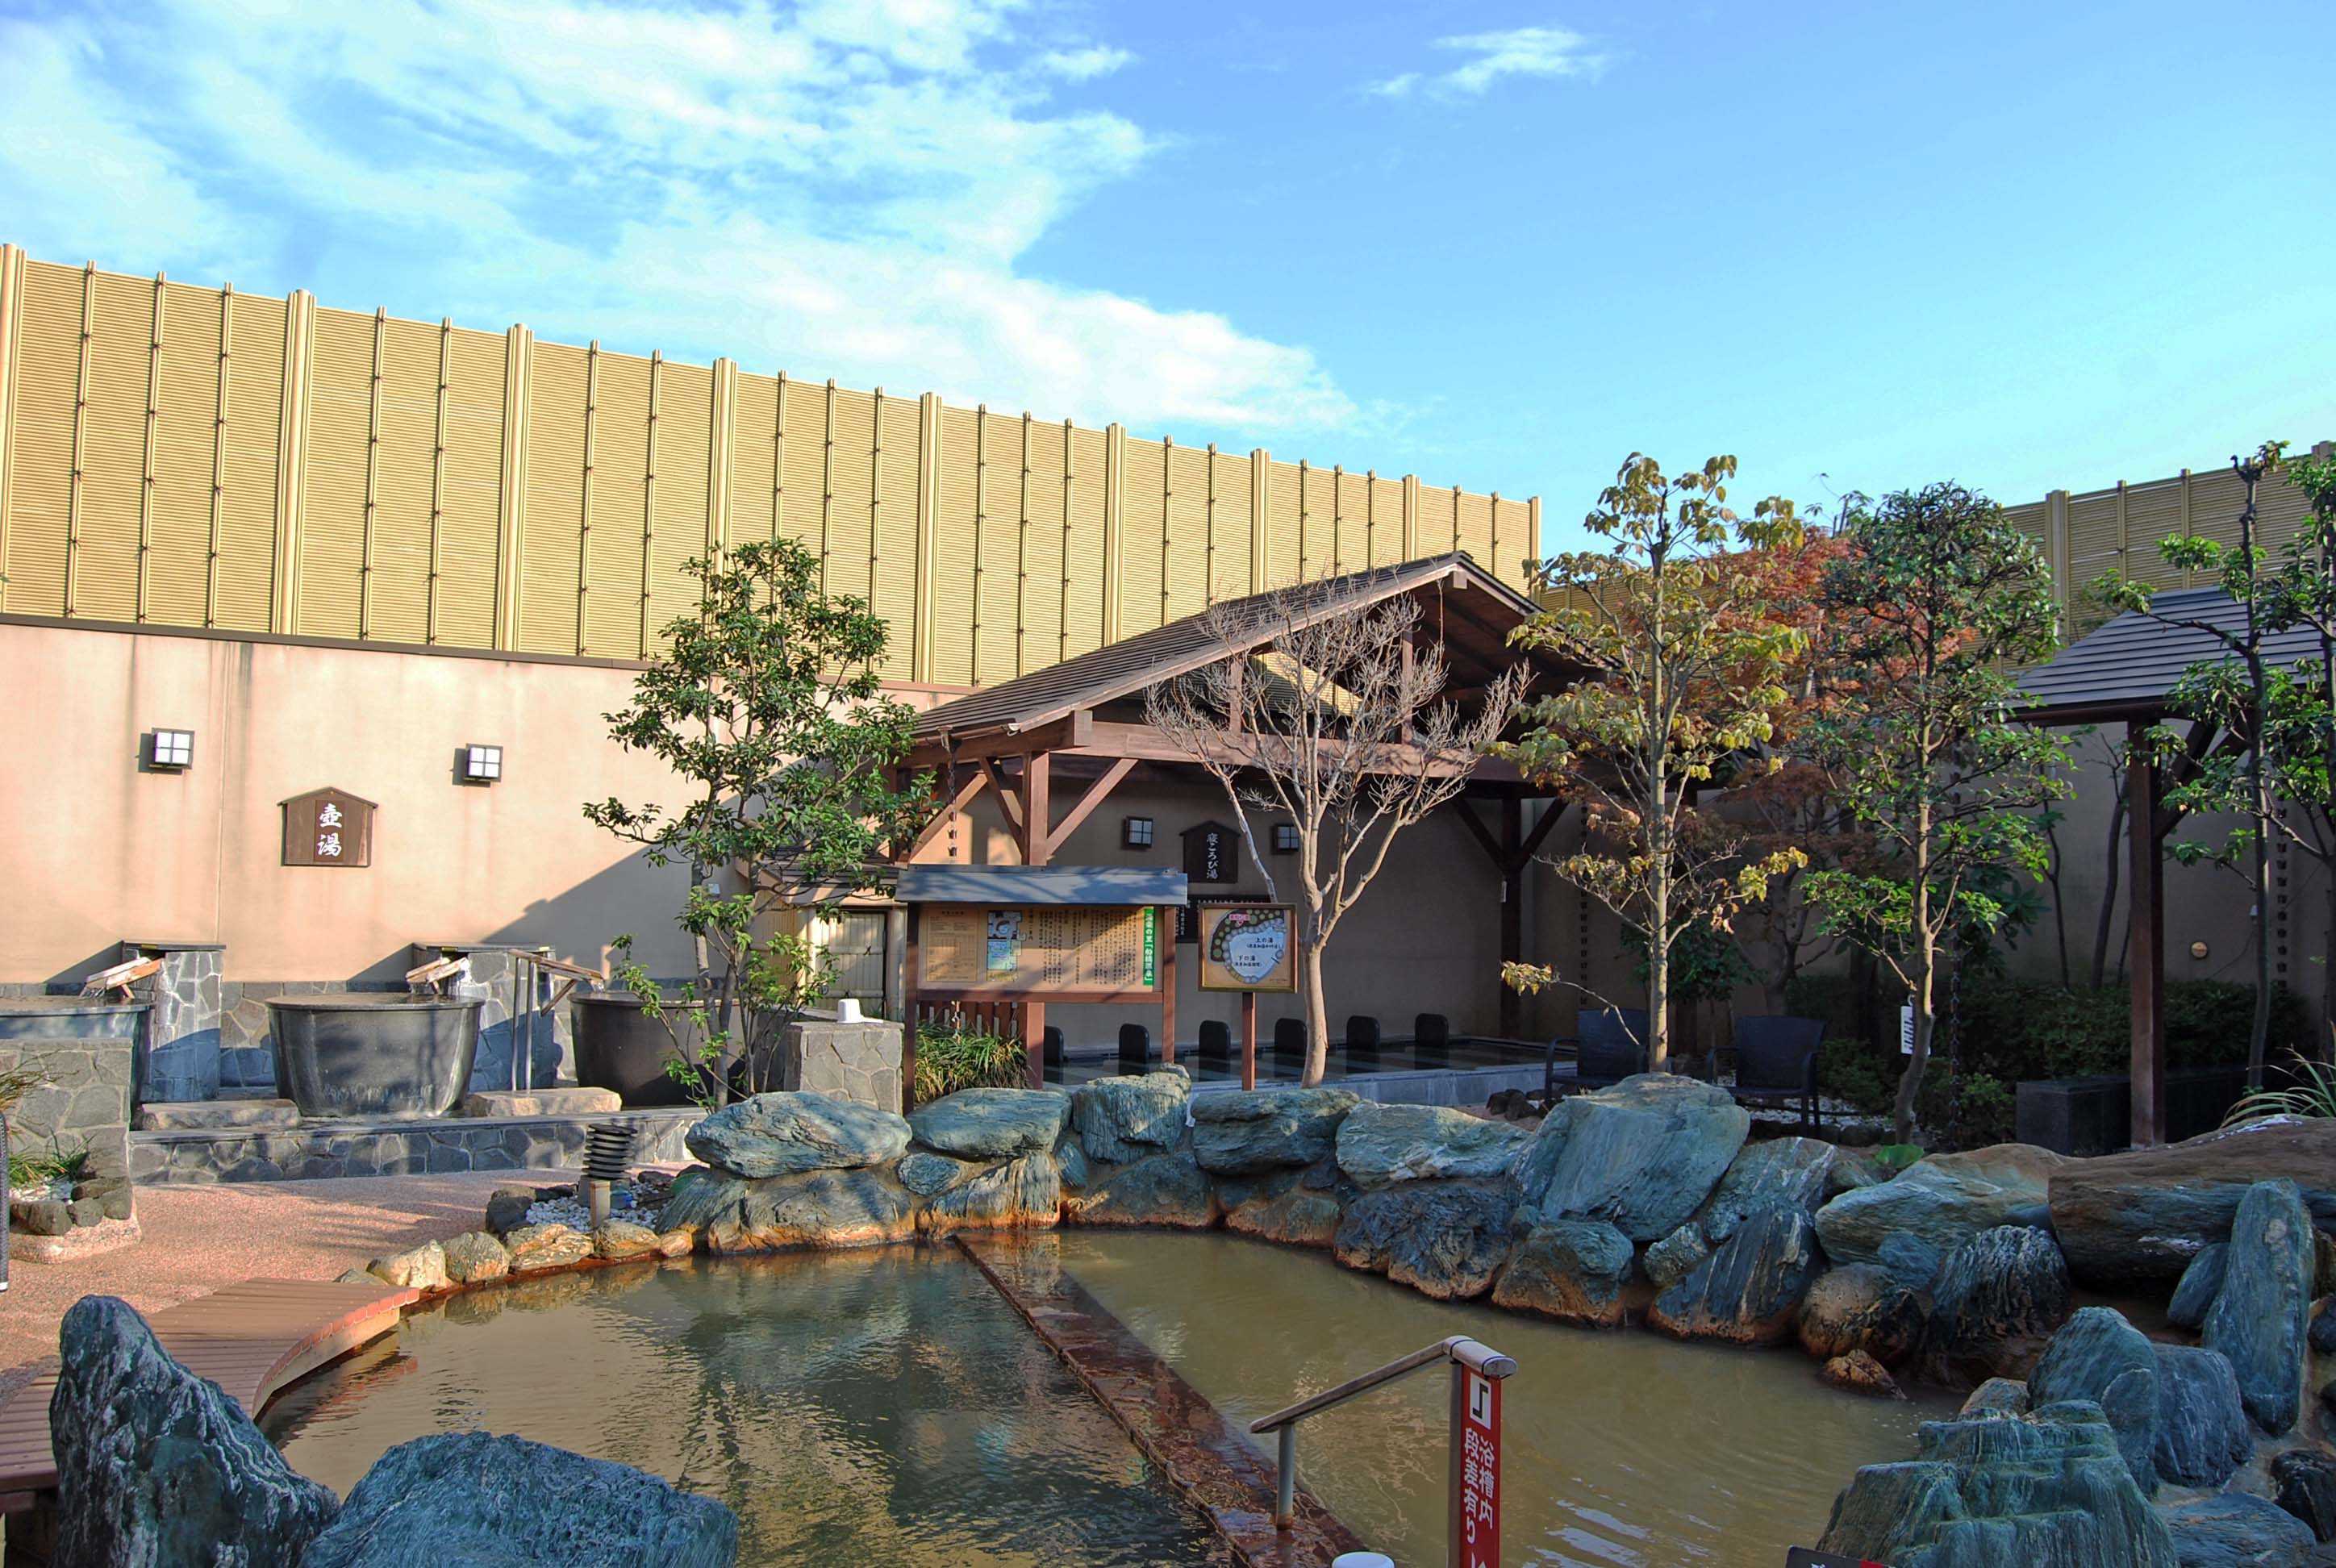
x=501, y=1105
x=193, y=1116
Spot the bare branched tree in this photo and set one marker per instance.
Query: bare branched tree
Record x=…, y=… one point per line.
x=1339, y=725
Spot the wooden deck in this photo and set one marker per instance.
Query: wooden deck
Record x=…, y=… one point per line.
x=253, y=1340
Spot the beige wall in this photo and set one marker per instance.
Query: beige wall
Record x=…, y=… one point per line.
x=97, y=850
x=1426, y=936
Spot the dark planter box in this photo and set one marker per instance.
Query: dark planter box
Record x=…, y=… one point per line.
x=2086, y=1116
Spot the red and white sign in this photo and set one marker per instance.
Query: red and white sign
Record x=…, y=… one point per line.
x=1476, y=1517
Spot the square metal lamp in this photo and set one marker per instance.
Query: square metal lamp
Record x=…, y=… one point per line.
x=480, y=765
x=1135, y=832
x=1285, y=838
x=171, y=750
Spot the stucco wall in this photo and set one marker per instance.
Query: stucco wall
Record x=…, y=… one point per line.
x=97, y=849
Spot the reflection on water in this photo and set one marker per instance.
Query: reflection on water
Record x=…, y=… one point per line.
x=1619, y=1449
x=855, y=1408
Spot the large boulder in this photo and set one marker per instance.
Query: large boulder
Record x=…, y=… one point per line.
x=1167, y=1189
x=1120, y=1120
x=820, y=1208
x=1378, y=1145
x=1944, y=1200
x=466, y=1499
x=1019, y=1195
x=1998, y=1397
x=534, y=1248
x=925, y=1173
x=1672, y=1259
x=2258, y=1318
x=780, y=1134
x=1788, y=1174
x=1248, y=1132
x=2321, y=1335
x=1443, y=1238
x=1860, y=1308
x=2145, y=1214
x=1642, y=1155
x=2303, y=1482
x=2201, y=1283
x=1998, y=1298
x=1570, y=1270
x=2236, y=1530
x=421, y=1268
x=2202, y=1432
x=475, y=1257
x=1910, y=1261
x=1296, y=1208
x=2048, y=1489
x=992, y=1123
x=2098, y=1356
x=1748, y=1291
x=156, y=1466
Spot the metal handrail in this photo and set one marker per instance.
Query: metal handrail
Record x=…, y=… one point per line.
x=1459, y=1348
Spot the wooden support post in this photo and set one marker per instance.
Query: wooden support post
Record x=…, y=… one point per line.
x=1248, y=1039
x=1167, y=939
x=1037, y=809
x=2145, y=956
x=1512, y=911
x=912, y=968
x=1034, y=1042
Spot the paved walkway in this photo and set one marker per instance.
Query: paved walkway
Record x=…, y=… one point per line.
x=199, y=1239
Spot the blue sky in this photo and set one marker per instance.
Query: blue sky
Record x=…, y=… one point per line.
x=1500, y=245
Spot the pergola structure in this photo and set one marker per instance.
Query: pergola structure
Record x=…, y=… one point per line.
x=1080, y=724
x=2122, y=674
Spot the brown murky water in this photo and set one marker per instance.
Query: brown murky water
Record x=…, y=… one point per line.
x=856, y=1408
x=1619, y=1448
x=886, y=1406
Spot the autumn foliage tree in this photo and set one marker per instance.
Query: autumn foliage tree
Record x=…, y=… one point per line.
x=1935, y=604
x=1686, y=683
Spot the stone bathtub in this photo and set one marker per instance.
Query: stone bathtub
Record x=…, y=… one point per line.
x=374, y=1054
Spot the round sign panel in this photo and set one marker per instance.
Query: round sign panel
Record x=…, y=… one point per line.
x=1248, y=949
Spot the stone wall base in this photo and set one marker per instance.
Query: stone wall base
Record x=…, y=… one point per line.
x=386, y=1147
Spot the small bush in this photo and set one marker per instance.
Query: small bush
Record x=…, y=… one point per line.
x=953, y=1055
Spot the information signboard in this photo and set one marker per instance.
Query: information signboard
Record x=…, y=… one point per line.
x=328, y=827
x=1476, y=1509
x=1039, y=948
x=1249, y=947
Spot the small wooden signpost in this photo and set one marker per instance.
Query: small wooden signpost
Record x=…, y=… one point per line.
x=1249, y=947
x=328, y=827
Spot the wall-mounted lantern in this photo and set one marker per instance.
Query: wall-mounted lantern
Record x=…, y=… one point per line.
x=1135, y=832
x=171, y=750
x=479, y=765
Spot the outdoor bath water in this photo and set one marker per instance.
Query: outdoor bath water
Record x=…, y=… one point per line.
x=888, y=1406
x=1622, y=1449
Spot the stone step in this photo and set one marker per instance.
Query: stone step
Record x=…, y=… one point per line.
x=569, y=1100
x=393, y=1146
x=186, y=1116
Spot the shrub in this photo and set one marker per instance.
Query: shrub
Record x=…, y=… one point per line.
x=954, y=1055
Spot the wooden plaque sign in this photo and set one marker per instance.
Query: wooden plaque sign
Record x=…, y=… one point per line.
x=1249, y=947
x=1039, y=950
x=327, y=827
x=1212, y=854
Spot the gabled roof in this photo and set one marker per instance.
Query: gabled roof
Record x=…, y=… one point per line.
x=2125, y=669
x=1129, y=667
x=986, y=884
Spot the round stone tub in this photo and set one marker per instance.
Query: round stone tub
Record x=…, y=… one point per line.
x=373, y=1053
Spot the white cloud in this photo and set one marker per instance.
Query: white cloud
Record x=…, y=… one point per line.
x=1543, y=52
x=842, y=187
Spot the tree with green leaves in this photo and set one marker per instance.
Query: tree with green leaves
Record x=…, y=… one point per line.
x=2227, y=692
x=2276, y=720
x=765, y=707
x=1938, y=600
x=1686, y=663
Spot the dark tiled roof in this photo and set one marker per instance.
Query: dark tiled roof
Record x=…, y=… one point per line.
x=2131, y=663
x=952, y=884
x=1128, y=666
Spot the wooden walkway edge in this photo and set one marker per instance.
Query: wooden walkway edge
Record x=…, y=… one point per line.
x=1215, y=1468
x=253, y=1340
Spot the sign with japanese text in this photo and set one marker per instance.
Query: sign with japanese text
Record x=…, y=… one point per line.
x=1212, y=854
x=1476, y=1511
x=327, y=827
x=1039, y=948
x=1249, y=947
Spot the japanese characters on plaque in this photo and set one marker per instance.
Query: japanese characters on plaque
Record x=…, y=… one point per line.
x=1476, y=1511
x=1037, y=948
x=1212, y=854
x=327, y=827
